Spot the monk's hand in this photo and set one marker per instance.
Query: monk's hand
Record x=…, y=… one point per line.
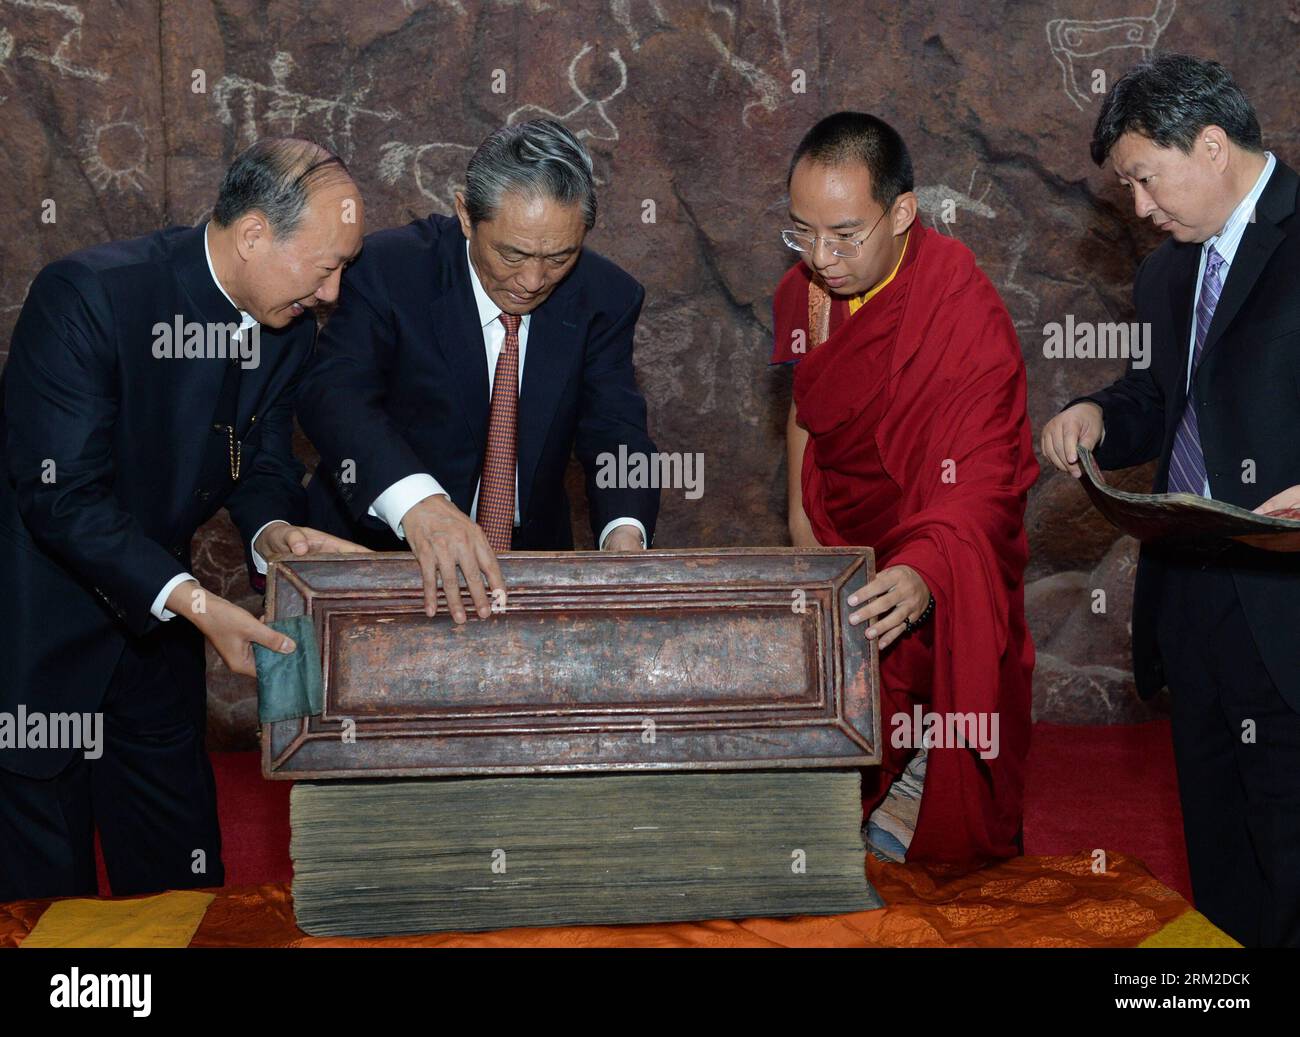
x=281, y=538
x=895, y=595
x=624, y=538
x=232, y=630
x=1286, y=501
x=1080, y=425
x=444, y=539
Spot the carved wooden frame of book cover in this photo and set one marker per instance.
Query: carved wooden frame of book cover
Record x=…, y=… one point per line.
x=657, y=661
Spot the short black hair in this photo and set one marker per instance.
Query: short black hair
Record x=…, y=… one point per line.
x=848, y=137
x=275, y=176
x=1170, y=99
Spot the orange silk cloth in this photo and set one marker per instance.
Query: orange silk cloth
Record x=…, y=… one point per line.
x=1024, y=902
x=919, y=447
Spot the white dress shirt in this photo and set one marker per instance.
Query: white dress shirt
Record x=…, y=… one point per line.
x=246, y=321
x=1225, y=243
x=392, y=505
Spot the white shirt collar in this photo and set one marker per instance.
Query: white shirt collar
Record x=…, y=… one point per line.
x=488, y=311
x=1226, y=241
x=246, y=320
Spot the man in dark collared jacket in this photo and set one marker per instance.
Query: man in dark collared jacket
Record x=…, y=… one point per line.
x=149, y=383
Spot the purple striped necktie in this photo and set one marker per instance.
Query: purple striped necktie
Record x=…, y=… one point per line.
x=1187, y=462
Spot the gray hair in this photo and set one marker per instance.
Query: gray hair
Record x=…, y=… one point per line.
x=540, y=159
x=274, y=176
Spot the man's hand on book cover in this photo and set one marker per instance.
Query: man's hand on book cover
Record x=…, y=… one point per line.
x=281, y=538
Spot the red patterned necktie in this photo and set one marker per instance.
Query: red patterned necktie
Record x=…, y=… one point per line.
x=496, y=498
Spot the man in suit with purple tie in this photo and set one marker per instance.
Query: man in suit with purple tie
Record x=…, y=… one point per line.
x=1219, y=408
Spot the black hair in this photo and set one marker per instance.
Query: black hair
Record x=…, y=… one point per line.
x=848, y=137
x=1170, y=99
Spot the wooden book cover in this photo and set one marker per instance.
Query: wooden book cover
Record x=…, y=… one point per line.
x=1186, y=519
x=599, y=662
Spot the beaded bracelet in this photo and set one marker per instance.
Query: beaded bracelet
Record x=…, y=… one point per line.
x=911, y=624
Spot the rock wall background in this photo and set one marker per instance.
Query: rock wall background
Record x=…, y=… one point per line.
x=125, y=113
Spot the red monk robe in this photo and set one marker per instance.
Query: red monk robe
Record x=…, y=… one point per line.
x=919, y=447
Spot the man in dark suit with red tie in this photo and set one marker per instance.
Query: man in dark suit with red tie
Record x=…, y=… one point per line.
x=468, y=360
x=1219, y=408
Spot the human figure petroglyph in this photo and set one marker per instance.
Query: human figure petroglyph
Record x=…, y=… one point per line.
x=287, y=109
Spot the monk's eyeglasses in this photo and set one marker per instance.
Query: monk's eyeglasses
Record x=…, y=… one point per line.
x=845, y=248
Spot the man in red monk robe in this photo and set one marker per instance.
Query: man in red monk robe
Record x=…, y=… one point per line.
x=908, y=433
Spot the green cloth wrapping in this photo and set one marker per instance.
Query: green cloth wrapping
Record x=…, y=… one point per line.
x=289, y=686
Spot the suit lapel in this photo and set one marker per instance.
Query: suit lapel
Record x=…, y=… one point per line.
x=552, y=340
x=1182, y=298
x=206, y=306
x=209, y=306
x=275, y=350
x=1258, y=244
x=459, y=336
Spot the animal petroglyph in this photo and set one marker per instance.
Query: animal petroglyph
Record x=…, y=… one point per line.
x=770, y=90
x=61, y=54
x=941, y=204
x=622, y=12
x=589, y=119
x=939, y=200
x=438, y=168
x=1010, y=285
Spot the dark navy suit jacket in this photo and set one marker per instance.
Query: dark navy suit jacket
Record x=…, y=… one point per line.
x=111, y=463
x=399, y=386
x=1247, y=406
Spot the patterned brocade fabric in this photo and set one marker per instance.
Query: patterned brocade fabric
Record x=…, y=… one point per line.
x=1059, y=901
